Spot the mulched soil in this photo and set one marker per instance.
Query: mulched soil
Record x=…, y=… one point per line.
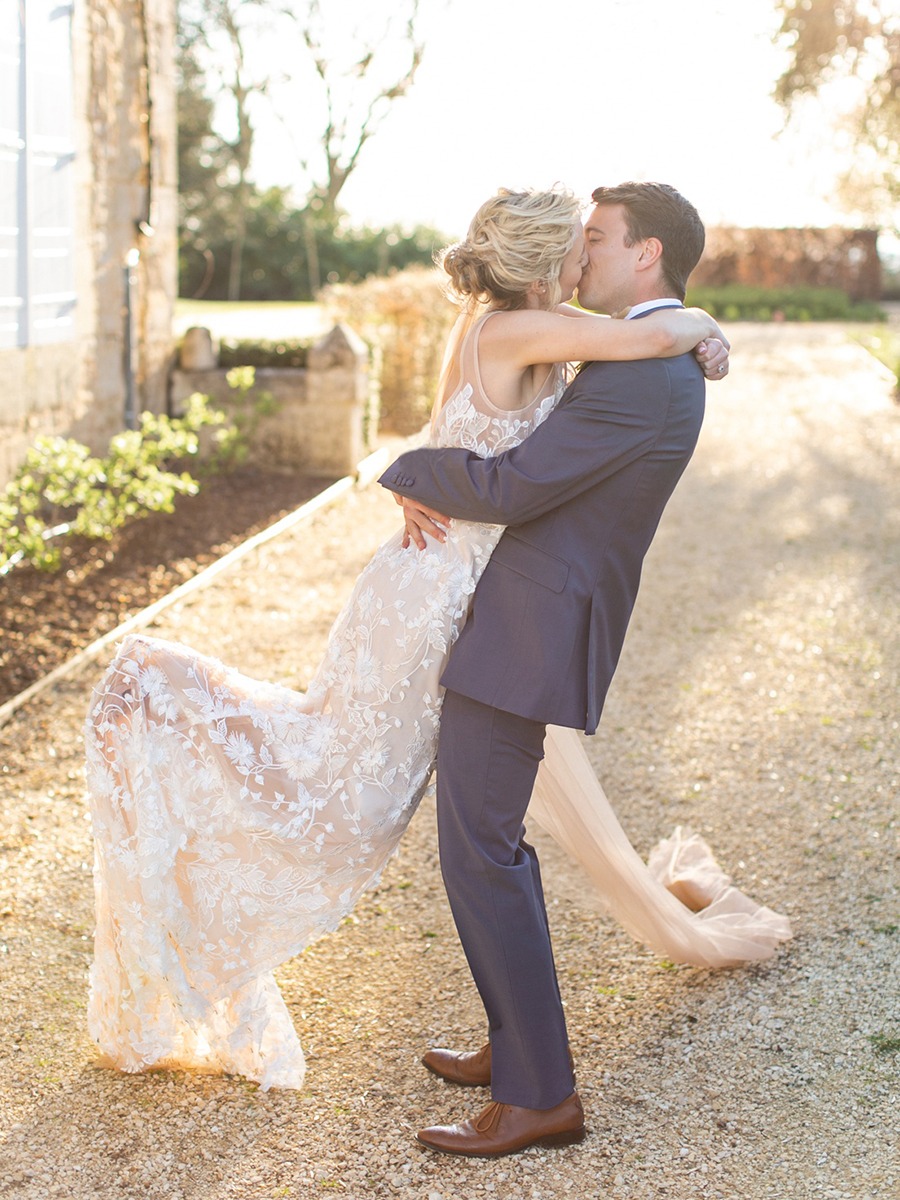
x=46, y=617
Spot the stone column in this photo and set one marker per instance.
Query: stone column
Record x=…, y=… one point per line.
x=337, y=392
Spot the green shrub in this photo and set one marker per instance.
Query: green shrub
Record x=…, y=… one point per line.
x=61, y=489
x=740, y=303
x=244, y=409
x=284, y=353
x=276, y=262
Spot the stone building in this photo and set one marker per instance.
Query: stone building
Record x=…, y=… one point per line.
x=88, y=249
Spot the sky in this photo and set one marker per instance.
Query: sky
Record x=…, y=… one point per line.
x=582, y=92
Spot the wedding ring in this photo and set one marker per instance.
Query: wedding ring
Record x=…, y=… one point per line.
x=721, y=368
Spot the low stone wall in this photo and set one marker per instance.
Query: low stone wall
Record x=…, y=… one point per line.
x=321, y=418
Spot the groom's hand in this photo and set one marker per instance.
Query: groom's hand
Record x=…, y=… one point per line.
x=420, y=520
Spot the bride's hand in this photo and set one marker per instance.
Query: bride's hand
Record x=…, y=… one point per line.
x=712, y=355
x=420, y=520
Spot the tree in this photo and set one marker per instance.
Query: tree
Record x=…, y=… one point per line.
x=354, y=72
x=830, y=41
x=360, y=76
x=204, y=200
x=222, y=28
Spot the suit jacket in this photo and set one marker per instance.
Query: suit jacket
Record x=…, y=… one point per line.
x=582, y=498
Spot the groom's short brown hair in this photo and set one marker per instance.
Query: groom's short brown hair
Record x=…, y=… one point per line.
x=658, y=210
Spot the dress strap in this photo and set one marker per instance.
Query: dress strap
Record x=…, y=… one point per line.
x=472, y=372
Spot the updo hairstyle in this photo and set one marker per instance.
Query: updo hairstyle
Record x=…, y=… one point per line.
x=515, y=239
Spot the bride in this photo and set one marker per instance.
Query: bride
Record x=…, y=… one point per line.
x=236, y=820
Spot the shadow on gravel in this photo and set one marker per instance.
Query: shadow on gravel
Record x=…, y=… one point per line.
x=160, y=1136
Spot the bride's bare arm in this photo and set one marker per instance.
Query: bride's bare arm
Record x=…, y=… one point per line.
x=712, y=354
x=529, y=336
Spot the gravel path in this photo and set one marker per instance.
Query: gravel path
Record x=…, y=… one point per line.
x=756, y=702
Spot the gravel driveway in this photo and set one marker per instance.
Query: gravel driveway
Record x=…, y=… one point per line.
x=756, y=702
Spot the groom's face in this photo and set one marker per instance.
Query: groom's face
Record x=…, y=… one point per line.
x=610, y=279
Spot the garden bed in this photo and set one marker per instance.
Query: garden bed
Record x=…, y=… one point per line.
x=46, y=618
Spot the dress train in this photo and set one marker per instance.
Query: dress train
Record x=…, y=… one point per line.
x=680, y=903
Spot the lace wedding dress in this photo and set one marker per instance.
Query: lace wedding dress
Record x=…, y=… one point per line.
x=236, y=820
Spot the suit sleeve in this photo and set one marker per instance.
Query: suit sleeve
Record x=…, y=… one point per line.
x=611, y=415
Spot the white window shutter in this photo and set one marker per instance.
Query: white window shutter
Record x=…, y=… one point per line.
x=37, y=155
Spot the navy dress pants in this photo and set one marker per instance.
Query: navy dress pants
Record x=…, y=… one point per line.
x=486, y=766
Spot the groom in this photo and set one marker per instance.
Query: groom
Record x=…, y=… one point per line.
x=582, y=498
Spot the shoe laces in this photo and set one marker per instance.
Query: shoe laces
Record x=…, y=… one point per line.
x=488, y=1121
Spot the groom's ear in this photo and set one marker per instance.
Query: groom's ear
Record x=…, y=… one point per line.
x=650, y=255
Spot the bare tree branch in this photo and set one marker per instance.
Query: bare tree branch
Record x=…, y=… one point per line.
x=210, y=22
x=347, y=129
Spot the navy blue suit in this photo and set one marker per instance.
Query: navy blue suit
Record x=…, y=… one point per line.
x=581, y=498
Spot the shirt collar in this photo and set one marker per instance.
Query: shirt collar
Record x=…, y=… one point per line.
x=649, y=305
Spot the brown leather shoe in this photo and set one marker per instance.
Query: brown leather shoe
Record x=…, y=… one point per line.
x=506, y=1129
x=472, y=1069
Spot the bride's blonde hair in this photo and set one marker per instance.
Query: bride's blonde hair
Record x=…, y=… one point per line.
x=515, y=239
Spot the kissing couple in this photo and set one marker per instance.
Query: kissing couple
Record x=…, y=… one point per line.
x=236, y=820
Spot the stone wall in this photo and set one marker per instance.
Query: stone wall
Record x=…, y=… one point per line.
x=125, y=204
x=320, y=411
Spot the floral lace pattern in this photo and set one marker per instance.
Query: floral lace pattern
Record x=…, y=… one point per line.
x=484, y=433
x=236, y=820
